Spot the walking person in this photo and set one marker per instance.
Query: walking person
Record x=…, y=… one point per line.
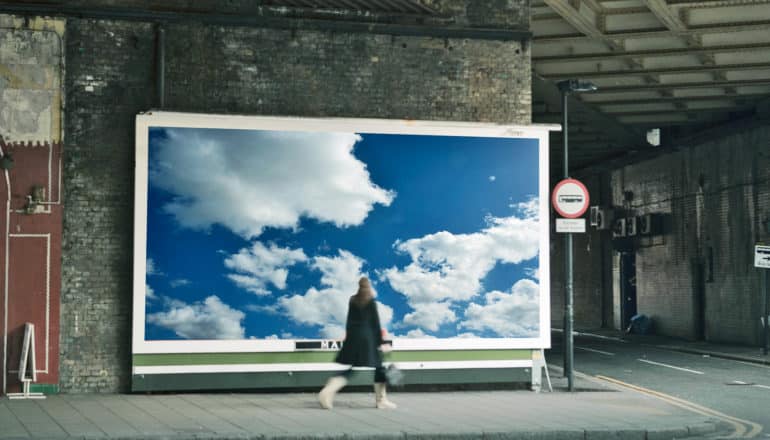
x=363, y=341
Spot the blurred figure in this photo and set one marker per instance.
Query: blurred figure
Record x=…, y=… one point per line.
x=362, y=347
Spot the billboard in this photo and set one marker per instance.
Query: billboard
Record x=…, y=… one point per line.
x=251, y=234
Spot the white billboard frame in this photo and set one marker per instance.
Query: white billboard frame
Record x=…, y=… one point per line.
x=379, y=126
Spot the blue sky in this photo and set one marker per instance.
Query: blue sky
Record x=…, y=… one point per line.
x=264, y=234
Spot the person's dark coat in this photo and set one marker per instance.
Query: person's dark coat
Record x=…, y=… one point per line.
x=363, y=336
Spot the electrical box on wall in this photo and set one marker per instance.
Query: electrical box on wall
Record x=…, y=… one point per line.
x=631, y=226
x=619, y=228
x=650, y=224
x=601, y=218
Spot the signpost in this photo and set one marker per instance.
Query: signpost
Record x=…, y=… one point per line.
x=570, y=200
x=762, y=256
x=571, y=225
x=27, y=363
x=762, y=261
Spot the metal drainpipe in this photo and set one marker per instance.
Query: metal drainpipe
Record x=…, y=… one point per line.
x=5, y=278
x=160, y=74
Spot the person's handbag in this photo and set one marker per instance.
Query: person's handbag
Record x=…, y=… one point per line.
x=394, y=375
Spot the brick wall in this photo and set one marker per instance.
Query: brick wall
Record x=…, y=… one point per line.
x=717, y=195
x=110, y=78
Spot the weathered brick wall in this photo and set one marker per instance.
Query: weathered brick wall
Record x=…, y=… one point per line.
x=590, y=256
x=717, y=195
x=323, y=74
x=30, y=79
x=475, y=13
x=110, y=78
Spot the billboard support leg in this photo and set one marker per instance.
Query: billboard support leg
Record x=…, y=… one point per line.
x=539, y=367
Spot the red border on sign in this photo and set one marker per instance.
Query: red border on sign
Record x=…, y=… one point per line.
x=585, y=191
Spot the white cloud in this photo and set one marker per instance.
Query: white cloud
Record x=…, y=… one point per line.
x=151, y=269
x=508, y=314
x=179, y=282
x=274, y=336
x=449, y=268
x=530, y=208
x=149, y=292
x=259, y=265
x=492, y=178
x=418, y=334
x=421, y=284
x=430, y=315
x=466, y=335
x=328, y=307
x=533, y=272
x=210, y=319
x=271, y=309
x=333, y=331
x=246, y=180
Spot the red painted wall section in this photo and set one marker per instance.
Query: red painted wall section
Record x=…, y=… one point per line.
x=30, y=245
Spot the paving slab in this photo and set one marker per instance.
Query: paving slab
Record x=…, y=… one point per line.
x=598, y=412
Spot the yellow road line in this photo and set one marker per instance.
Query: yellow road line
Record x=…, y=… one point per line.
x=741, y=426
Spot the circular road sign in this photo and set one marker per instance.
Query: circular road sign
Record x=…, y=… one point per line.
x=570, y=198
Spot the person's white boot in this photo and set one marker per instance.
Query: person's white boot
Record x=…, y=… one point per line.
x=381, y=394
x=333, y=385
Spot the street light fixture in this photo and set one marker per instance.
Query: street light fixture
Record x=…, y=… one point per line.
x=6, y=162
x=566, y=87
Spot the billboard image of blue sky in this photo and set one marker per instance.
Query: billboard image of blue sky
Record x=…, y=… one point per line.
x=257, y=234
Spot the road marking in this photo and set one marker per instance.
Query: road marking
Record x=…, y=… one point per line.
x=753, y=364
x=606, y=353
x=590, y=335
x=740, y=426
x=670, y=366
x=762, y=386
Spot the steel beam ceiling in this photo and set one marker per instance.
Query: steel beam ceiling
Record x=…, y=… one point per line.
x=676, y=64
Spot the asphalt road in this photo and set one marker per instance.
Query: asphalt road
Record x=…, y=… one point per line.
x=736, y=392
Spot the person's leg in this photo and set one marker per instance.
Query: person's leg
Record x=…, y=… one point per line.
x=333, y=385
x=379, y=375
x=380, y=389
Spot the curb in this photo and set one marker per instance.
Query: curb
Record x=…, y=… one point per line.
x=692, y=431
x=716, y=354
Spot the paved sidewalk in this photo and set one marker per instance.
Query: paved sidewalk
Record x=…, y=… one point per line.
x=593, y=412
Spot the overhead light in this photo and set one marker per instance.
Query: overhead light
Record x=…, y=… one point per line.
x=576, y=85
x=6, y=163
x=653, y=137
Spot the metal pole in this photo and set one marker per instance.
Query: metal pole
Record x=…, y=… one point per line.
x=160, y=74
x=767, y=312
x=568, y=341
